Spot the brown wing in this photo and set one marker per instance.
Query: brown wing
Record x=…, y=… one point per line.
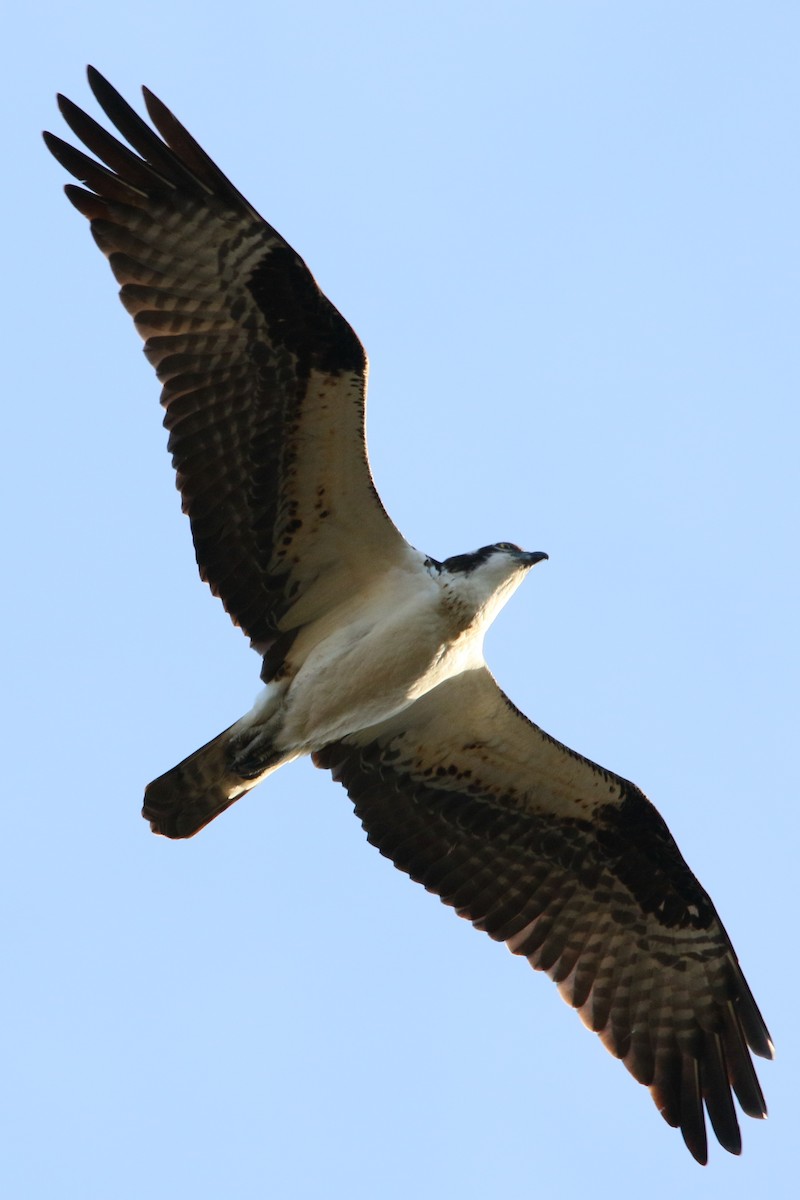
x=264, y=381
x=573, y=868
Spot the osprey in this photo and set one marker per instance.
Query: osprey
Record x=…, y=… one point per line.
x=373, y=652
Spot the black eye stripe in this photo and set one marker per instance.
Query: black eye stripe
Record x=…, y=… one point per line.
x=468, y=562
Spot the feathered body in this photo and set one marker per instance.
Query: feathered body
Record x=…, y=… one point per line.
x=366, y=660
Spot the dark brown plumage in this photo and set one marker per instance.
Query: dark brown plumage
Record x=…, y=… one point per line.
x=234, y=324
x=603, y=902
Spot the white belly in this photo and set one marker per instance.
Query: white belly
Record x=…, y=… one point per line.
x=371, y=665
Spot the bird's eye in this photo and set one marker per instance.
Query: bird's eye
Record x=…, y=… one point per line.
x=506, y=546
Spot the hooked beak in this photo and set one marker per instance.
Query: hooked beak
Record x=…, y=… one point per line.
x=531, y=557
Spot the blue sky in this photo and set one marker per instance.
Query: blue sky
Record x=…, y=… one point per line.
x=568, y=237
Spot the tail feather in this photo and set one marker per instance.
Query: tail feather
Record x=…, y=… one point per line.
x=181, y=802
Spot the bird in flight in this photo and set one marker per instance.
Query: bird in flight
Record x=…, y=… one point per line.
x=372, y=652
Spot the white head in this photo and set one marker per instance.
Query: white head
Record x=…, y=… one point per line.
x=481, y=582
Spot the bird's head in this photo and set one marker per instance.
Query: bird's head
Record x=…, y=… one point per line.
x=484, y=579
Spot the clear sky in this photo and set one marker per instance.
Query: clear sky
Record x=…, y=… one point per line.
x=567, y=234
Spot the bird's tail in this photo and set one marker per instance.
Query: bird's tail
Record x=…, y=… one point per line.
x=179, y=803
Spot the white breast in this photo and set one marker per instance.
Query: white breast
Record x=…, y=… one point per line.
x=372, y=657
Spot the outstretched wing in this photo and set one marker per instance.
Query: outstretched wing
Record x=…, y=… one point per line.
x=573, y=868
x=264, y=381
